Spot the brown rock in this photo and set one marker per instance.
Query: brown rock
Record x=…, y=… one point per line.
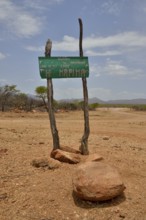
x=41, y=142
x=64, y=156
x=93, y=157
x=106, y=138
x=3, y=151
x=96, y=181
x=53, y=164
x=3, y=196
x=69, y=149
x=40, y=163
x=46, y=163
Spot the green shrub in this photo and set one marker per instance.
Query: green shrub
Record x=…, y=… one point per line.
x=139, y=107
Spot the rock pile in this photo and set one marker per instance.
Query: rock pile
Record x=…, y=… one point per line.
x=93, y=179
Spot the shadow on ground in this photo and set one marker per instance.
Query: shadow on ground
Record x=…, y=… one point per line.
x=89, y=205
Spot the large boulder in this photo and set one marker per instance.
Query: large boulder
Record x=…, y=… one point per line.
x=64, y=156
x=97, y=181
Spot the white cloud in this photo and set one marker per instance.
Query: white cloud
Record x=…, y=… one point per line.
x=112, y=68
x=35, y=48
x=122, y=41
x=116, y=68
x=25, y=18
x=67, y=44
x=26, y=25
x=103, y=53
x=2, y=56
x=18, y=20
x=95, y=70
x=41, y=5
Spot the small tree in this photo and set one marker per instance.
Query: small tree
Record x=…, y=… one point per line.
x=81, y=105
x=41, y=92
x=20, y=101
x=6, y=92
x=23, y=102
x=93, y=106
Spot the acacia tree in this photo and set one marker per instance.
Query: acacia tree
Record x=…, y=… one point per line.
x=7, y=92
x=41, y=92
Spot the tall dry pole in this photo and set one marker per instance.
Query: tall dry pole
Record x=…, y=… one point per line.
x=84, y=142
x=56, y=143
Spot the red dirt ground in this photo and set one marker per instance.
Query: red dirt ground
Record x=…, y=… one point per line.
x=28, y=193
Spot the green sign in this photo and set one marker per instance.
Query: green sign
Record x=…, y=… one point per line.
x=63, y=67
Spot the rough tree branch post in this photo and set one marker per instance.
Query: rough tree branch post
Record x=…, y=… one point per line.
x=56, y=144
x=66, y=67
x=84, y=142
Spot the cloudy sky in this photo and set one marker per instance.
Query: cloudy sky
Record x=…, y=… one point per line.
x=114, y=40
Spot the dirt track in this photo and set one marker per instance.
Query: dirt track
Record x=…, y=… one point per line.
x=28, y=193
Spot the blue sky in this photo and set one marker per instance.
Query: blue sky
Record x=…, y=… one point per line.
x=114, y=40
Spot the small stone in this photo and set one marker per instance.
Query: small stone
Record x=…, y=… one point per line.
x=117, y=210
x=3, y=196
x=49, y=163
x=106, y=138
x=64, y=156
x=13, y=201
x=3, y=150
x=40, y=163
x=122, y=216
x=93, y=157
x=53, y=164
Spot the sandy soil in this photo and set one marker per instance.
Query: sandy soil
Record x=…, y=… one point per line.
x=28, y=193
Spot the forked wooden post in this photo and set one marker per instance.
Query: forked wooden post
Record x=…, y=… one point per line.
x=84, y=142
x=56, y=144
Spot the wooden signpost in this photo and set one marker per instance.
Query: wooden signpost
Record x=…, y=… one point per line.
x=84, y=142
x=66, y=67
x=56, y=143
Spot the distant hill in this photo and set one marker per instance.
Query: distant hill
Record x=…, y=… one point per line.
x=96, y=100
x=127, y=101
x=92, y=100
